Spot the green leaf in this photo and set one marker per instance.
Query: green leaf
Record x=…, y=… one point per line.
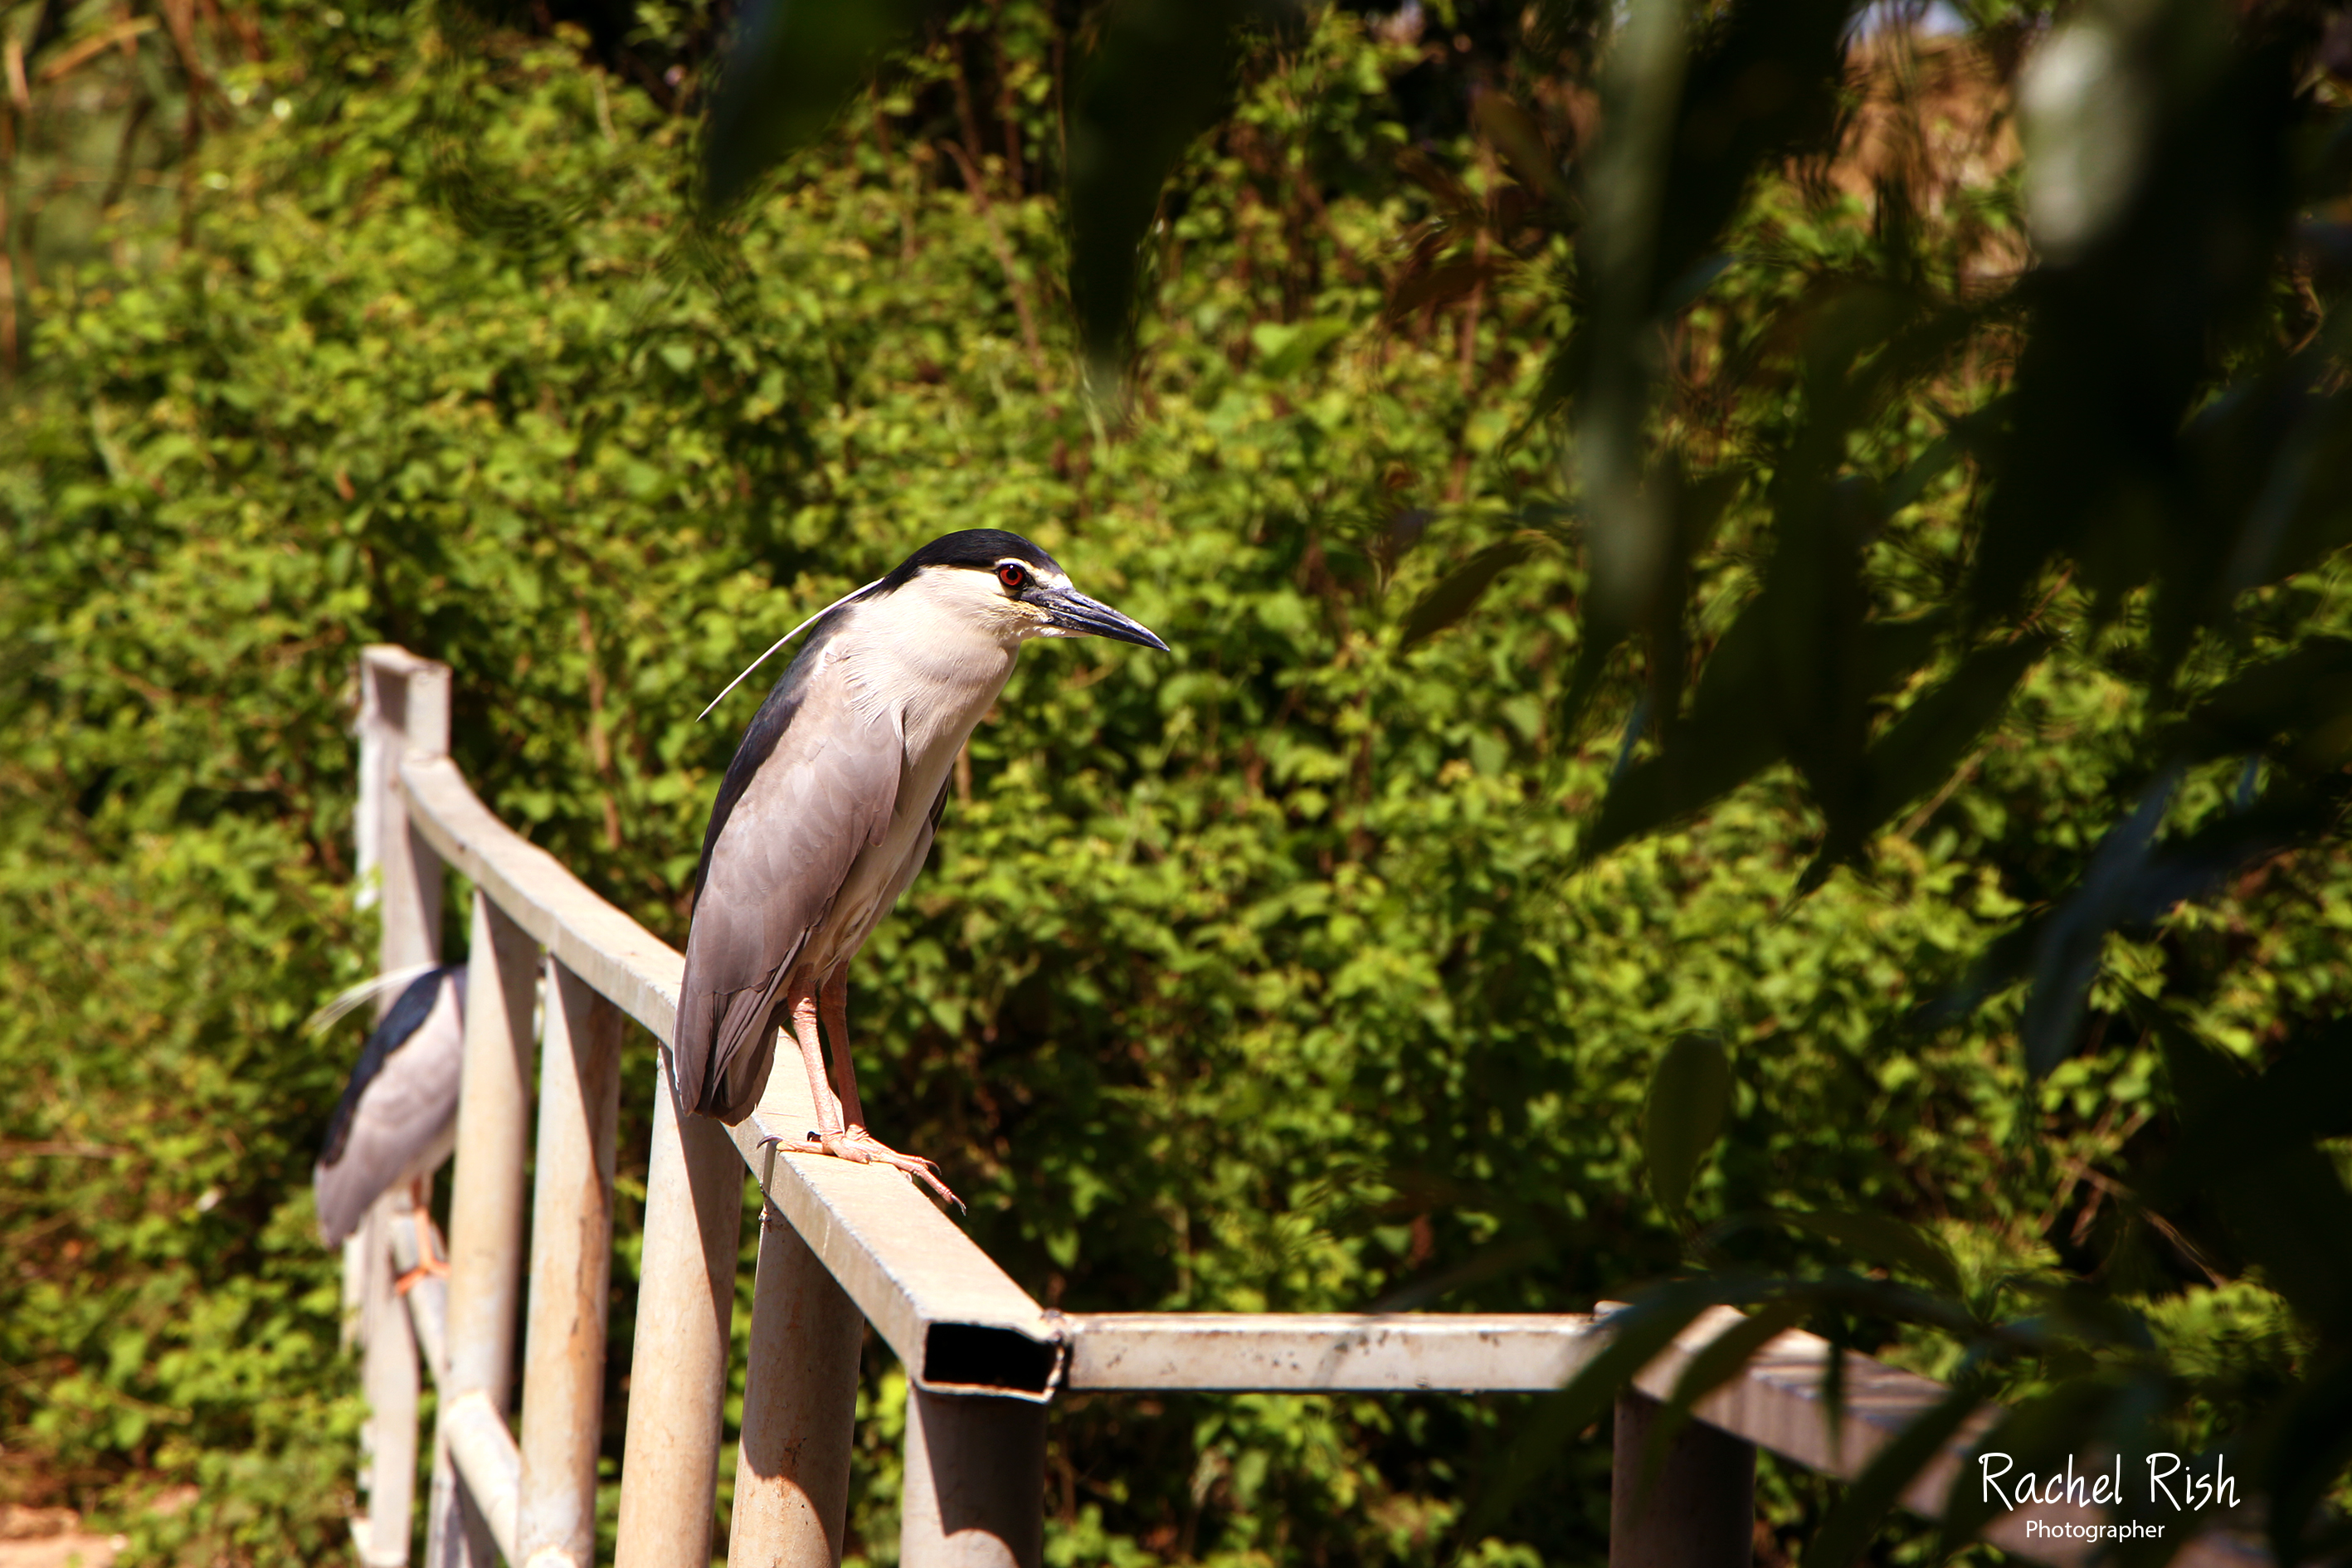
x=1722, y=1359
x=1611, y=358
x=2231, y=1122
x=1726, y=127
x=1918, y=751
x=1288, y=348
x=794, y=64
x=1813, y=605
x=1437, y=286
x=1883, y=1239
x=1942, y=456
x=1893, y=647
x=1729, y=738
x=2066, y=956
x=1636, y=1334
x=1159, y=77
x=2131, y=882
x=2289, y=1213
x=1689, y=1094
x=1700, y=505
x=2291, y=706
x=1516, y=134
x=1459, y=592
x=1865, y=1504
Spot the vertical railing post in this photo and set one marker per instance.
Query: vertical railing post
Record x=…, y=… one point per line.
x=1699, y=1510
x=388, y=1380
x=800, y=1409
x=485, y=1212
x=404, y=712
x=975, y=1486
x=571, y=1272
x=686, y=1301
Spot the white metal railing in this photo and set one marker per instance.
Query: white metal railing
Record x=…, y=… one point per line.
x=840, y=1242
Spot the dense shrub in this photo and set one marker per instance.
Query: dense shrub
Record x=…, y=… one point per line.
x=1261, y=975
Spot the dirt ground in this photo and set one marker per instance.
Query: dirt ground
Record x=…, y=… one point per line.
x=52, y=1538
x=73, y=1549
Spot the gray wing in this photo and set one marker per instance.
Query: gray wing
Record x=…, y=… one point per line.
x=919, y=850
x=811, y=788
x=405, y=1120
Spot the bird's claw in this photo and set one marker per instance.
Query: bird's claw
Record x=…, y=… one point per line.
x=430, y=1268
x=860, y=1147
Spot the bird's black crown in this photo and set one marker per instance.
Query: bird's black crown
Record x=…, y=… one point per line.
x=978, y=548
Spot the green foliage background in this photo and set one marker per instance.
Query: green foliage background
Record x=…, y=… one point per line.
x=1263, y=975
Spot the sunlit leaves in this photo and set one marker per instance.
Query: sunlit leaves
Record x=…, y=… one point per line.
x=1689, y=1094
x=1458, y=592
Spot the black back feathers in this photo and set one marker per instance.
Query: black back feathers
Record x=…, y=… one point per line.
x=407, y=1017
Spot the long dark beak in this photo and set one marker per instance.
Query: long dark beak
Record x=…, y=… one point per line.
x=1074, y=614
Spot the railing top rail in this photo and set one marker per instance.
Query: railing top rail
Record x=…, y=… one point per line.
x=955, y=1318
x=605, y=947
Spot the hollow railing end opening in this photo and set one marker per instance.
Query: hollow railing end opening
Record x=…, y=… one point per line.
x=986, y=1359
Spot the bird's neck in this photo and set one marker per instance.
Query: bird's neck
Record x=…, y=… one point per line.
x=934, y=675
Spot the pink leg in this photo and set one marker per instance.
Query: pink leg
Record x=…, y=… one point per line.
x=830, y=1123
x=432, y=1256
x=833, y=999
x=848, y=1138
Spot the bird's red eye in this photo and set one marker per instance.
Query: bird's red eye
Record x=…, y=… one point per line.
x=1011, y=577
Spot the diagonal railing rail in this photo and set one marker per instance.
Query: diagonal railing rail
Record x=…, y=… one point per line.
x=840, y=1243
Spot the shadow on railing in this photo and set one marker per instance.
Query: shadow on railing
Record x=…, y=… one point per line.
x=839, y=1242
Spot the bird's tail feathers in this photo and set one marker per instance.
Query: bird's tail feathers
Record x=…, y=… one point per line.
x=334, y=1012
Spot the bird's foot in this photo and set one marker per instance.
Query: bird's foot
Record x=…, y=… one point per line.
x=432, y=1268
x=862, y=1148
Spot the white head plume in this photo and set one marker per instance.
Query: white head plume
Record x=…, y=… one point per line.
x=328, y=1016
x=780, y=642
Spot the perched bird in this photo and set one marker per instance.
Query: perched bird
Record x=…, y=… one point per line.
x=829, y=807
x=398, y=1118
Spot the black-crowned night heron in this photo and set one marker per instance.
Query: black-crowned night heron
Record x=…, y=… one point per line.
x=829, y=809
x=398, y=1118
